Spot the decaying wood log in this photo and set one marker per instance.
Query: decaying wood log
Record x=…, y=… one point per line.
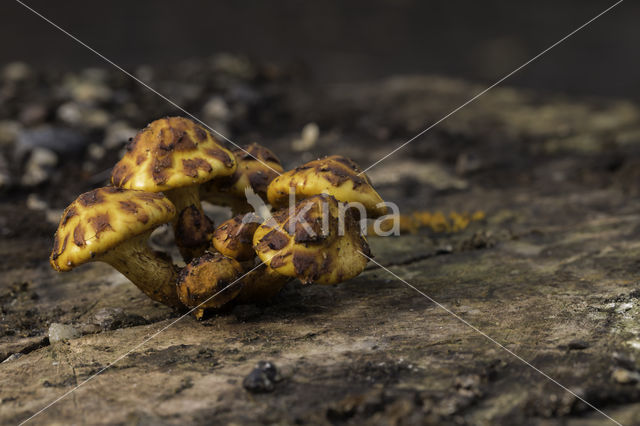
x=552, y=273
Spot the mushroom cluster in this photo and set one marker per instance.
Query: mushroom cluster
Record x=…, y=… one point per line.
x=314, y=233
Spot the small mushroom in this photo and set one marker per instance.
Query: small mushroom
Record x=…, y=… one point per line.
x=334, y=175
x=210, y=281
x=307, y=244
x=261, y=284
x=234, y=238
x=176, y=155
x=113, y=225
x=250, y=173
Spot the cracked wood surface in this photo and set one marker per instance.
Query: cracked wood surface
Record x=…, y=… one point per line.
x=552, y=274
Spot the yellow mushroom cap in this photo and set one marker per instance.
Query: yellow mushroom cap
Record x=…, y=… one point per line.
x=171, y=153
x=99, y=220
x=253, y=173
x=207, y=280
x=257, y=167
x=334, y=175
x=233, y=238
x=322, y=256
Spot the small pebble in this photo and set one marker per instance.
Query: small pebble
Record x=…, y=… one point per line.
x=624, y=376
x=257, y=382
x=444, y=249
x=577, y=344
x=34, y=202
x=624, y=360
x=234, y=65
x=89, y=92
x=96, y=119
x=216, y=109
x=70, y=113
x=53, y=215
x=114, y=318
x=624, y=307
x=39, y=166
x=57, y=139
x=262, y=378
x=117, y=134
x=96, y=152
x=308, y=138
x=16, y=71
x=9, y=131
x=59, y=332
x=270, y=370
x=75, y=114
x=12, y=357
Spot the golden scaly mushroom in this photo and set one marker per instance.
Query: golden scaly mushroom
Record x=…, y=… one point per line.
x=311, y=243
x=176, y=155
x=334, y=175
x=234, y=238
x=113, y=225
x=209, y=281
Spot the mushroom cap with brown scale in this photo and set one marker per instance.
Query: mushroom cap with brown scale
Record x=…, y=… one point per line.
x=257, y=167
x=210, y=281
x=176, y=155
x=309, y=243
x=99, y=220
x=112, y=225
x=334, y=175
x=234, y=238
x=170, y=153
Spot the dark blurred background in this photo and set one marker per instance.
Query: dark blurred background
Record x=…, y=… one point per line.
x=343, y=41
x=264, y=71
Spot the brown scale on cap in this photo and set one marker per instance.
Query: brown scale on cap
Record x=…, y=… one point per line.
x=209, y=281
x=257, y=167
x=134, y=208
x=192, y=166
x=258, y=174
x=307, y=244
x=234, y=238
x=276, y=240
x=334, y=175
x=112, y=225
x=176, y=155
x=279, y=260
x=101, y=223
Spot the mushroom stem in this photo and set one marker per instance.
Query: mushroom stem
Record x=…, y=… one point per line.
x=192, y=228
x=210, y=281
x=184, y=197
x=152, y=273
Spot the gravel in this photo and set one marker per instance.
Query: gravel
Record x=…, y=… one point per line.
x=60, y=332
